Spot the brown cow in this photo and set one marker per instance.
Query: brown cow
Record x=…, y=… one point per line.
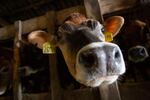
x=134, y=40
x=90, y=60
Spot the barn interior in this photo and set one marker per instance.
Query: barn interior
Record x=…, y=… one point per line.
x=26, y=71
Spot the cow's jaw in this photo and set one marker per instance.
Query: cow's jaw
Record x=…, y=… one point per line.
x=106, y=71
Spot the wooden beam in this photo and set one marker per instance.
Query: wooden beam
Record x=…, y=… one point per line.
x=109, y=6
x=93, y=9
x=54, y=80
x=28, y=26
x=37, y=23
x=17, y=93
x=110, y=92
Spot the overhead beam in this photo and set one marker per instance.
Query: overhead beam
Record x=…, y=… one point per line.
x=40, y=22
x=37, y=23
x=28, y=26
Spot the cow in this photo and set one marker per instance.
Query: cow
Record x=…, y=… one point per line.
x=134, y=41
x=33, y=69
x=5, y=69
x=90, y=59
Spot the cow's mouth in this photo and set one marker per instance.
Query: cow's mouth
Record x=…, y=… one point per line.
x=95, y=82
x=103, y=80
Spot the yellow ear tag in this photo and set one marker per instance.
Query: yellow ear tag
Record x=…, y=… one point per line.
x=48, y=48
x=108, y=36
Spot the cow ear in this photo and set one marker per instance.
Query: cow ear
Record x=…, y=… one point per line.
x=114, y=24
x=40, y=37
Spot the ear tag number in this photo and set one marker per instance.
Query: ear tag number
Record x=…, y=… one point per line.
x=108, y=36
x=48, y=48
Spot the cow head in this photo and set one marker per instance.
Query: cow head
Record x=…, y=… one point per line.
x=90, y=60
x=135, y=37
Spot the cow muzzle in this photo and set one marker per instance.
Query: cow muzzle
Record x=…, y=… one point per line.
x=99, y=62
x=137, y=54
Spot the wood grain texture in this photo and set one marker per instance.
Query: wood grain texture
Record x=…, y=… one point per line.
x=17, y=93
x=109, y=6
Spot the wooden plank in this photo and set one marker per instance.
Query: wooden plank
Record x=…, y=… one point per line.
x=109, y=6
x=17, y=93
x=28, y=26
x=110, y=92
x=37, y=23
x=54, y=80
x=93, y=10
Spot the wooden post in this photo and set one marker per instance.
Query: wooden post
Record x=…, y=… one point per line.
x=54, y=79
x=93, y=9
x=110, y=92
x=17, y=95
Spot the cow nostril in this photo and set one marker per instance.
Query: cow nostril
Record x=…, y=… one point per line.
x=87, y=59
x=142, y=51
x=117, y=54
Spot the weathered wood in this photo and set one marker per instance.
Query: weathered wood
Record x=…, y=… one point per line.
x=93, y=10
x=28, y=26
x=110, y=92
x=109, y=6
x=17, y=95
x=54, y=81
x=37, y=23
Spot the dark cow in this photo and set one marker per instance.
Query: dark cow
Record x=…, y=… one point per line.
x=90, y=60
x=34, y=69
x=134, y=41
x=5, y=69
